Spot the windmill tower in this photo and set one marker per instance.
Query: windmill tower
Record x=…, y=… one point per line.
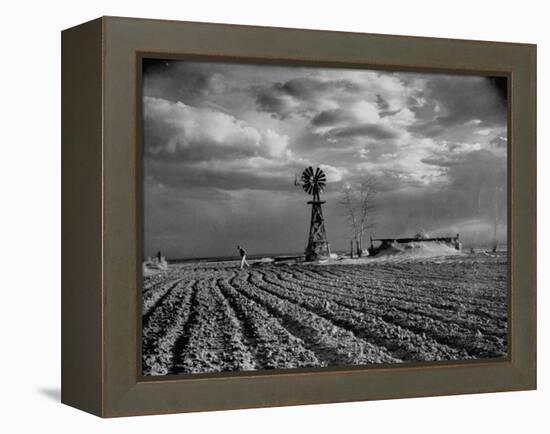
x=314, y=183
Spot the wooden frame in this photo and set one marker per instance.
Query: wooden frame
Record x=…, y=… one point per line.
x=101, y=228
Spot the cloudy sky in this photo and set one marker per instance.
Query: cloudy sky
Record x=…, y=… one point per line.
x=223, y=142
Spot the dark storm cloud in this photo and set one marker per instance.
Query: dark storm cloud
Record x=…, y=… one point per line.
x=382, y=103
x=479, y=160
x=375, y=131
x=332, y=117
x=462, y=100
x=439, y=161
x=308, y=88
x=299, y=95
x=384, y=107
x=163, y=79
x=271, y=102
x=456, y=101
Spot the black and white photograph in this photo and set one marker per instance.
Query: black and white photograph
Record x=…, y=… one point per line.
x=312, y=216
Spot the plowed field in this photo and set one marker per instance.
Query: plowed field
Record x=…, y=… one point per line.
x=213, y=317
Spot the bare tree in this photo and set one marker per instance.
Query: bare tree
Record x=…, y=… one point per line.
x=358, y=205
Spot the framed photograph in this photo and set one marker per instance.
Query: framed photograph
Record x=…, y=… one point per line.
x=262, y=217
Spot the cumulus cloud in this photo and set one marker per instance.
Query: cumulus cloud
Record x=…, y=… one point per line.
x=334, y=174
x=176, y=130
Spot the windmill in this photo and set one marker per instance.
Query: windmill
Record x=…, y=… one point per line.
x=313, y=182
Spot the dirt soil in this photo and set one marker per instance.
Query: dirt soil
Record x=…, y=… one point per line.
x=203, y=318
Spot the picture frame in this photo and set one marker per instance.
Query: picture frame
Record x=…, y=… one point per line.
x=102, y=225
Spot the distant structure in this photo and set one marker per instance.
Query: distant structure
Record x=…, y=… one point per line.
x=313, y=182
x=386, y=243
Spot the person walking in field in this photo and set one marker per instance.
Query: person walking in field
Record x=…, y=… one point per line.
x=242, y=252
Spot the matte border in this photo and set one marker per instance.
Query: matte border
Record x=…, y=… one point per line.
x=124, y=393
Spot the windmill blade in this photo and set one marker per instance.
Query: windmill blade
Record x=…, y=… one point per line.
x=313, y=181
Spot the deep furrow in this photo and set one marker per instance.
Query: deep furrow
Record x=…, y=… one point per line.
x=181, y=344
x=151, y=282
x=419, y=286
x=471, y=293
x=154, y=298
x=273, y=346
x=331, y=344
x=371, y=328
x=436, y=281
x=476, y=343
x=418, y=273
x=213, y=341
x=247, y=334
x=494, y=311
x=237, y=342
x=162, y=328
x=472, y=322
